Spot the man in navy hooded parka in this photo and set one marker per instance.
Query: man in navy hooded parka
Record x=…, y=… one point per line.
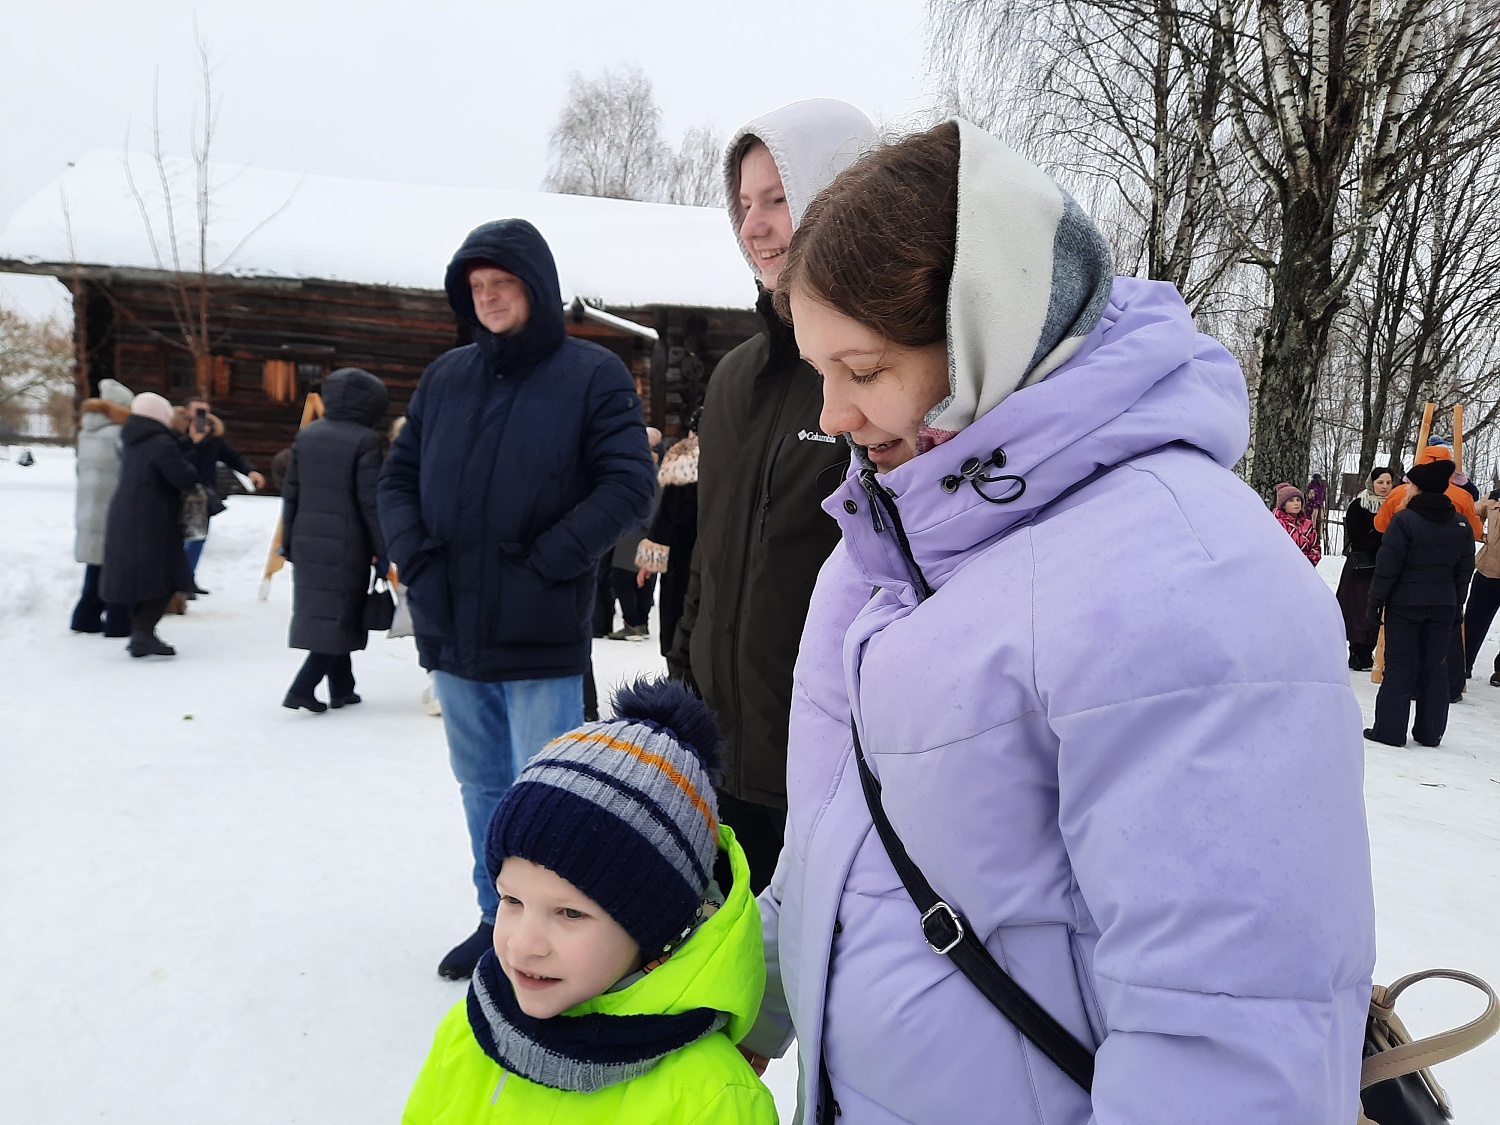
x=522, y=460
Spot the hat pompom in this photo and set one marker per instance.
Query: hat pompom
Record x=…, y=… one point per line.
x=669, y=705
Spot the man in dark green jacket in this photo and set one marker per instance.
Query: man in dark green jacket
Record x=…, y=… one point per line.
x=764, y=470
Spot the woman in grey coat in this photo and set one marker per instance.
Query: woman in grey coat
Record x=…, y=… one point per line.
x=98, y=474
x=330, y=534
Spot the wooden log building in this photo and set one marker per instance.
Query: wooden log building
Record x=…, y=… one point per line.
x=275, y=331
x=265, y=328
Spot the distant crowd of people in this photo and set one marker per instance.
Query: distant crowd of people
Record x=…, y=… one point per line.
x=984, y=664
x=1411, y=578
x=138, y=456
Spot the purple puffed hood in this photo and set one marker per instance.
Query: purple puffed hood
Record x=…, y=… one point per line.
x=1142, y=380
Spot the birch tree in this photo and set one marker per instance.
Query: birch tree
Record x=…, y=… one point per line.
x=608, y=141
x=1423, y=319
x=1109, y=97
x=1324, y=101
x=1327, y=101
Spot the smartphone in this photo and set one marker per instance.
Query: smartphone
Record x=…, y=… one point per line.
x=200, y=419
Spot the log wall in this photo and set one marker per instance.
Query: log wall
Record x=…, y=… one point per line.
x=130, y=333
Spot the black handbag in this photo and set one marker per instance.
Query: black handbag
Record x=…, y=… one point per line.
x=380, y=607
x=1396, y=1086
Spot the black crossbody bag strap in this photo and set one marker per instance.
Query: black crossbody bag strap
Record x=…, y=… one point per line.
x=947, y=932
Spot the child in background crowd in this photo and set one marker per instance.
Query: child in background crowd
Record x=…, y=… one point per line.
x=621, y=975
x=1303, y=531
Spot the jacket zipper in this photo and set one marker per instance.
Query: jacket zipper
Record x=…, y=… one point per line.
x=739, y=604
x=765, y=504
x=873, y=491
x=880, y=498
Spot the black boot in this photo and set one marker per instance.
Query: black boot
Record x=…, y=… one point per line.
x=337, y=701
x=461, y=959
x=148, y=644
x=311, y=703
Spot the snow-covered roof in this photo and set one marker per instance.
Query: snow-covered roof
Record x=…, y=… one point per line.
x=279, y=224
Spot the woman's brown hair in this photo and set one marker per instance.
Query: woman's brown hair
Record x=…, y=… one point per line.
x=878, y=243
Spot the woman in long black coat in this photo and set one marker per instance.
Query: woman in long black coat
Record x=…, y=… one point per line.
x=144, y=562
x=331, y=532
x=1361, y=544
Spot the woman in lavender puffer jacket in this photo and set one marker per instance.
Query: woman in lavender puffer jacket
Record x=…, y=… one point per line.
x=1105, y=696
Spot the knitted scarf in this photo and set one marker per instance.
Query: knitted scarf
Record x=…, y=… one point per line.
x=1369, y=501
x=577, y=1053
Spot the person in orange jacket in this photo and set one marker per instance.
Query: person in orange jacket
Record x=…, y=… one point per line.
x=1399, y=496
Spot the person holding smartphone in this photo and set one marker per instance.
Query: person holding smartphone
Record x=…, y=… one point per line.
x=205, y=445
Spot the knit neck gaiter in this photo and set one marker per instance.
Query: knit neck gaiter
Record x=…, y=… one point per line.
x=576, y=1053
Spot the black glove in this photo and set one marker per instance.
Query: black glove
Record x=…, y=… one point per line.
x=1376, y=613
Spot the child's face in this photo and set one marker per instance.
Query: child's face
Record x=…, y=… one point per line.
x=1294, y=507
x=557, y=945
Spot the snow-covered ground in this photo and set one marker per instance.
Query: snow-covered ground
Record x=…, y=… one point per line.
x=212, y=908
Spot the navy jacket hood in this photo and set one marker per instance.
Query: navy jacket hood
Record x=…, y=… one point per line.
x=519, y=248
x=352, y=394
x=139, y=428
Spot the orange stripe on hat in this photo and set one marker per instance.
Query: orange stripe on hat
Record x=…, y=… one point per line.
x=677, y=777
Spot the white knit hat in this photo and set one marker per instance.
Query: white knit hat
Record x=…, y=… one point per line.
x=152, y=405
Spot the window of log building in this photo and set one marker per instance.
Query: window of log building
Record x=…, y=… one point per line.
x=287, y=380
x=279, y=380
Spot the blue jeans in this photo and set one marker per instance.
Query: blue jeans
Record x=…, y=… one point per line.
x=493, y=730
x=194, y=548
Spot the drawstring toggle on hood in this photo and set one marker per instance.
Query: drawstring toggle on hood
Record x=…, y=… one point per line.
x=972, y=470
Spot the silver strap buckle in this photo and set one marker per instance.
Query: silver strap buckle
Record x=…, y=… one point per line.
x=942, y=928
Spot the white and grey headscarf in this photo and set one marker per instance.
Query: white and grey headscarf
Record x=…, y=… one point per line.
x=1031, y=276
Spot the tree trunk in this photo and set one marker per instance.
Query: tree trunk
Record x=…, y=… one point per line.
x=1296, y=346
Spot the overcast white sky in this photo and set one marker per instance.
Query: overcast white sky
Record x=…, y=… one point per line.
x=447, y=92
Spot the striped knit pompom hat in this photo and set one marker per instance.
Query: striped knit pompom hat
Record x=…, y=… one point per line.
x=624, y=810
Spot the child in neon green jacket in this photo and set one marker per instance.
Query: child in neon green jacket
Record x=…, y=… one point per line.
x=621, y=977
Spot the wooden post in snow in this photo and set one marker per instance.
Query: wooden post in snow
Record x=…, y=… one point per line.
x=1458, y=439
